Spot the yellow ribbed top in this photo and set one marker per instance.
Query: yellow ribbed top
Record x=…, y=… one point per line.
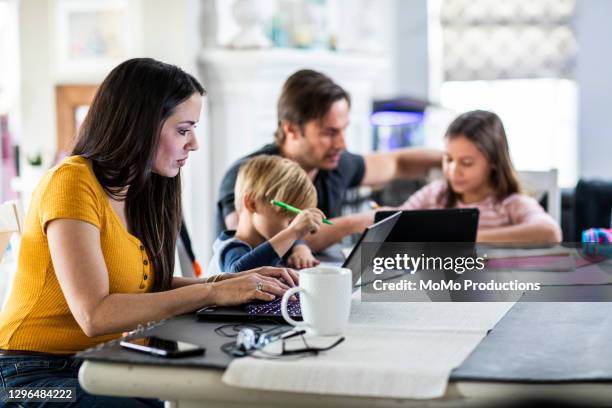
x=37, y=316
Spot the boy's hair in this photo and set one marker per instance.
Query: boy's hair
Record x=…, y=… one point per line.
x=269, y=177
x=486, y=131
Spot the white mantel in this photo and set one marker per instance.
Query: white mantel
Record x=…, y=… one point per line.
x=243, y=88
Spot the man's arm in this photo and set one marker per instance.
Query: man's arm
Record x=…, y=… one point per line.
x=381, y=168
x=343, y=226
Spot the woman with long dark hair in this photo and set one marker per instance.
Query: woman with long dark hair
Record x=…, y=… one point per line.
x=97, y=250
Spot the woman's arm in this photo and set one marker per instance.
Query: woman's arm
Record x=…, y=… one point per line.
x=540, y=230
x=82, y=274
x=179, y=281
x=288, y=276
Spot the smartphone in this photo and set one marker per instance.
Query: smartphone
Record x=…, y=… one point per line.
x=162, y=347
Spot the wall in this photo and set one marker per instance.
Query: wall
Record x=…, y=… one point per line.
x=168, y=31
x=37, y=127
x=409, y=56
x=164, y=35
x=198, y=197
x=593, y=73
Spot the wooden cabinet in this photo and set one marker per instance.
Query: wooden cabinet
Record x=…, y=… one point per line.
x=71, y=103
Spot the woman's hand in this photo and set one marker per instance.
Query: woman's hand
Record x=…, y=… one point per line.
x=244, y=288
x=302, y=257
x=286, y=275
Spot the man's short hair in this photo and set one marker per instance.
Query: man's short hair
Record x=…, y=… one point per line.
x=269, y=177
x=306, y=95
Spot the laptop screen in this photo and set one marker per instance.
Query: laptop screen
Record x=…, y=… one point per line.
x=439, y=225
x=376, y=233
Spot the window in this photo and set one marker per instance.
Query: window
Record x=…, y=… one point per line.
x=515, y=58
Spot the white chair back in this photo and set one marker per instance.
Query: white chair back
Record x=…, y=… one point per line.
x=11, y=222
x=543, y=183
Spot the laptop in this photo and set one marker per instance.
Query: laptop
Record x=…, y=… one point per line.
x=443, y=225
x=440, y=232
x=270, y=311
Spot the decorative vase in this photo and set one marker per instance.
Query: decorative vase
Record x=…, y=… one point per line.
x=250, y=17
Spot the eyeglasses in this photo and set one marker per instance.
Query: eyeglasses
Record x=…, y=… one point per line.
x=251, y=339
x=307, y=349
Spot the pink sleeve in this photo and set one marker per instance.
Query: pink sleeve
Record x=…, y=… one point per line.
x=426, y=198
x=522, y=208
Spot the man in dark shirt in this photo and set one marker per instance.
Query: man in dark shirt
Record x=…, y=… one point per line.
x=313, y=114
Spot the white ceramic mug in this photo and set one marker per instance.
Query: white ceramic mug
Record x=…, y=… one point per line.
x=325, y=300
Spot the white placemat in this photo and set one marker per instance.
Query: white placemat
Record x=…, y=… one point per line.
x=395, y=350
x=430, y=316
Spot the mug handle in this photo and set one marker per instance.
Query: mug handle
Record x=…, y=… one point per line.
x=284, y=302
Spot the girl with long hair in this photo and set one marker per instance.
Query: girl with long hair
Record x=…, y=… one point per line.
x=479, y=174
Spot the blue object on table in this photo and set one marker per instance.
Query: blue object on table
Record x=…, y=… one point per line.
x=597, y=241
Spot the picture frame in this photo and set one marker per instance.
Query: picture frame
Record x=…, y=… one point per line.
x=93, y=36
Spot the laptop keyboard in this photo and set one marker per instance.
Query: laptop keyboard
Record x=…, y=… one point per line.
x=274, y=308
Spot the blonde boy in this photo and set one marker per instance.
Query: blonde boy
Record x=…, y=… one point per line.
x=266, y=233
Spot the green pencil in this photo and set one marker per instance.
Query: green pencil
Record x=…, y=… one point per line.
x=295, y=210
